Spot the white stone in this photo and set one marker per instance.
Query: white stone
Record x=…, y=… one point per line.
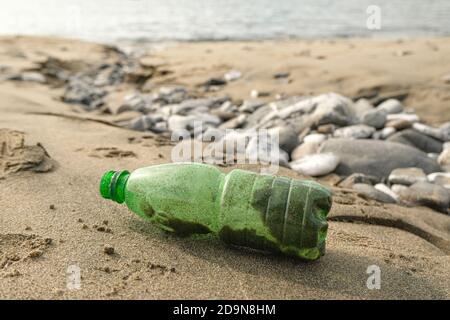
x=391, y=106
x=315, y=137
x=385, y=189
x=410, y=117
x=232, y=75
x=316, y=165
x=430, y=131
x=358, y=131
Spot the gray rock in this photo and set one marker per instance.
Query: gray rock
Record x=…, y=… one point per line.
x=374, y=118
x=267, y=151
x=427, y=194
x=306, y=112
x=81, y=90
x=377, y=158
x=440, y=178
x=418, y=140
x=444, y=160
x=177, y=122
x=193, y=106
x=407, y=176
x=234, y=123
x=287, y=137
x=211, y=135
x=251, y=105
x=385, y=189
x=172, y=94
x=398, y=188
x=358, y=178
x=391, y=106
x=436, y=133
x=362, y=106
x=369, y=191
x=136, y=102
x=315, y=165
x=358, y=131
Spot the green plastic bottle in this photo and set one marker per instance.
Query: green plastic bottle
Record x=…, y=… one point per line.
x=263, y=212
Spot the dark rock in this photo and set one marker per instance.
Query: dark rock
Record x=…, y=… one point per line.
x=427, y=194
x=377, y=158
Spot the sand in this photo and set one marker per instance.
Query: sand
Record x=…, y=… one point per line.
x=54, y=220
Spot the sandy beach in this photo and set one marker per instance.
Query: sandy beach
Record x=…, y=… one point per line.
x=53, y=219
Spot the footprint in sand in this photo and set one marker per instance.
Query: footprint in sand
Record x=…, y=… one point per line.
x=111, y=152
x=16, y=156
x=17, y=248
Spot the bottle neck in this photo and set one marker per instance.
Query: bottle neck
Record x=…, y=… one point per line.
x=112, y=185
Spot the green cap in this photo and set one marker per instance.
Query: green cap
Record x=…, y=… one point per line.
x=112, y=185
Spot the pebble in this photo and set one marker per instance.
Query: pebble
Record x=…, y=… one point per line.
x=251, y=105
x=440, y=178
x=374, y=118
x=385, y=189
x=391, y=106
x=315, y=165
x=407, y=176
x=432, y=132
x=384, y=133
x=287, y=138
x=358, y=178
x=398, y=188
x=234, y=123
x=232, y=75
x=427, y=194
x=358, y=131
x=410, y=117
x=28, y=77
x=305, y=149
x=258, y=94
x=109, y=250
x=375, y=157
x=372, y=193
x=418, y=140
x=315, y=138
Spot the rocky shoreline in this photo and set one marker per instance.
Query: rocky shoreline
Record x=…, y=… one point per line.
x=373, y=143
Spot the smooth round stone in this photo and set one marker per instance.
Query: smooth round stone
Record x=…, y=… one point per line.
x=407, y=176
x=432, y=132
x=315, y=137
x=374, y=118
x=410, y=117
x=391, y=106
x=315, y=165
x=418, y=140
x=383, y=133
x=358, y=131
x=398, y=188
x=427, y=194
x=362, y=106
x=287, y=138
x=385, y=189
x=326, y=128
x=370, y=192
x=376, y=157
